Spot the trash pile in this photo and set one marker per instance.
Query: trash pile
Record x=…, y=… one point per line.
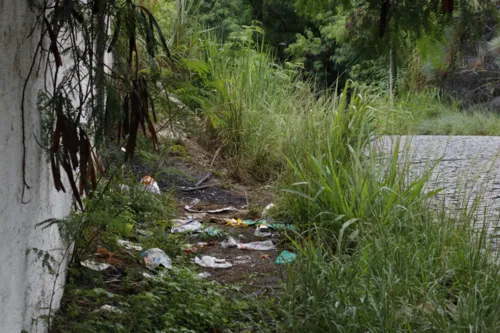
x=193, y=224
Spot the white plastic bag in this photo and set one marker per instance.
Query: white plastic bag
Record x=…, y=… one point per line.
x=257, y=246
x=229, y=242
x=191, y=225
x=212, y=262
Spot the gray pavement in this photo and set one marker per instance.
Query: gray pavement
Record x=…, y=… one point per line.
x=467, y=168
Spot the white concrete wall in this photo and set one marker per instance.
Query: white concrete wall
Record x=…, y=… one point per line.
x=25, y=286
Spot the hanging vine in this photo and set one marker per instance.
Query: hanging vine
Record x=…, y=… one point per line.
x=81, y=90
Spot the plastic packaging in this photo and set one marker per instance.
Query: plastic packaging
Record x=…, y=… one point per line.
x=262, y=230
x=94, y=265
x=286, y=257
x=257, y=246
x=155, y=257
x=191, y=225
x=265, y=212
x=204, y=275
x=212, y=262
x=129, y=245
x=229, y=242
x=150, y=184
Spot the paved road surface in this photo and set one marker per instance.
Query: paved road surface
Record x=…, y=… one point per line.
x=466, y=164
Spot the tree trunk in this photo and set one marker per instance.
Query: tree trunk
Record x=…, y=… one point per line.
x=393, y=71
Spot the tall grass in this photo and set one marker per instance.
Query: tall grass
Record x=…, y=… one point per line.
x=428, y=113
x=374, y=255
x=257, y=110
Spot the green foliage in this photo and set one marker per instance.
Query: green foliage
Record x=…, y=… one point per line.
x=428, y=113
x=176, y=302
x=375, y=255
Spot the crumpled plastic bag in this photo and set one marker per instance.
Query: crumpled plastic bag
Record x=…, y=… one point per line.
x=286, y=257
x=212, y=262
x=229, y=242
x=150, y=184
x=257, y=246
x=129, y=245
x=155, y=257
x=94, y=265
x=186, y=225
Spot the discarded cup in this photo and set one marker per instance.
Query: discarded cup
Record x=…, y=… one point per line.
x=262, y=230
x=180, y=225
x=212, y=262
x=150, y=184
x=257, y=246
x=286, y=257
x=155, y=257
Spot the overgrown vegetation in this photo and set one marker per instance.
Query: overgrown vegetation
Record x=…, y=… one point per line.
x=374, y=255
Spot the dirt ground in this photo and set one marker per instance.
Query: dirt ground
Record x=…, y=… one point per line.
x=254, y=271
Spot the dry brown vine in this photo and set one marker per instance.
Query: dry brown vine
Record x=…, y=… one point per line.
x=77, y=80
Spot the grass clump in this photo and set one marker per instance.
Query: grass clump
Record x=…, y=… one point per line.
x=428, y=113
x=374, y=255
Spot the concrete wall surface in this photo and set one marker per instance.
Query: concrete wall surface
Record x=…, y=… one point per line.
x=26, y=287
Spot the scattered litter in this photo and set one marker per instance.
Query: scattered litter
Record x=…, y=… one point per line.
x=94, y=265
x=257, y=246
x=155, y=257
x=265, y=212
x=109, y=308
x=184, y=225
x=212, y=262
x=241, y=260
x=201, y=244
x=229, y=242
x=204, y=275
x=123, y=149
x=241, y=236
x=286, y=257
x=222, y=210
x=204, y=179
x=211, y=211
x=195, y=202
x=197, y=188
x=265, y=256
x=129, y=245
x=214, y=232
x=151, y=184
x=124, y=188
x=252, y=222
x=198, y=216
x=262, y=230
x=235, y=223
x=278, y=226
x=244, y=258
x=143, y=232
x=190, y=248
x=151, y=276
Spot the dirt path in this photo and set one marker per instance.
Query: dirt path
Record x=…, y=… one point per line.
x=254, y=271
